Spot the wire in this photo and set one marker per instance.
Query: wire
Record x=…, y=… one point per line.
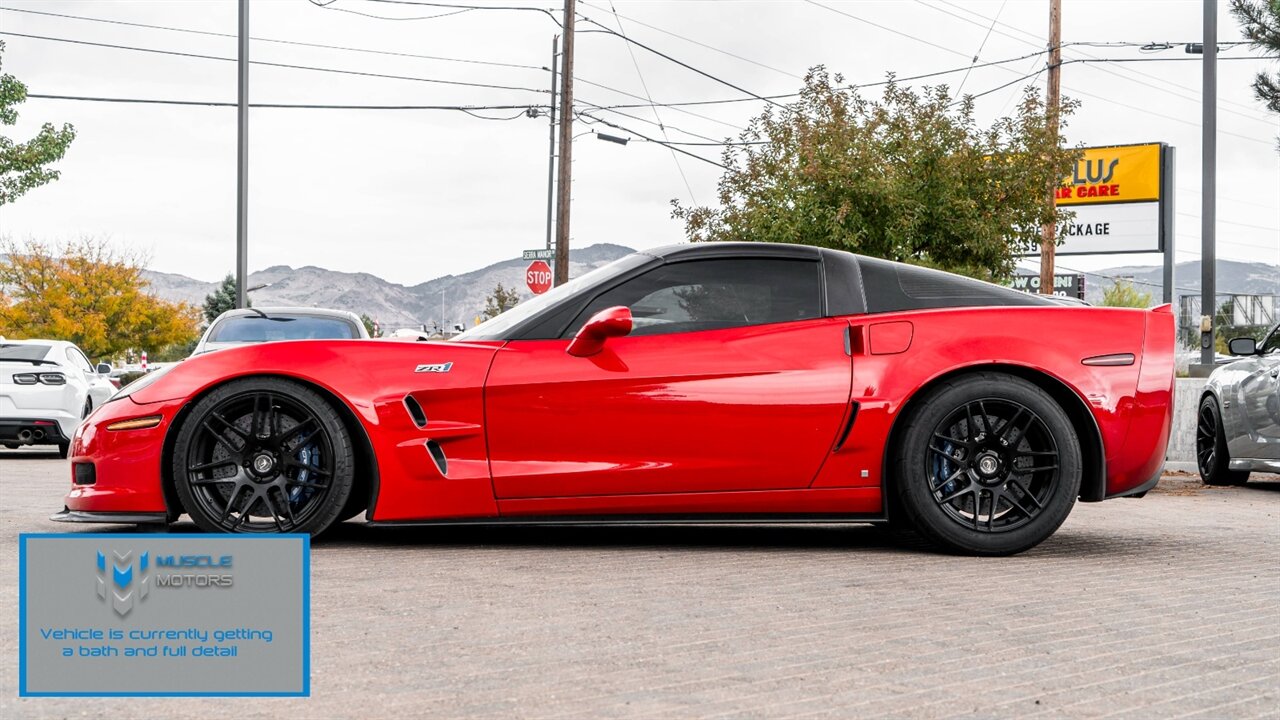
x=468, y=8
x=312, y=68
x=982, y=45
x=1035, y=43
x=1029, y=76
x=329, y=6
x=295, y=106
x=726, y=53
x=674, y=157
x=886, y=28
x=643, y=120
x=923, y=76
x=606, y=29
x=299, y=43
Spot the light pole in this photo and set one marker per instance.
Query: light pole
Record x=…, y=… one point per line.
x=242, y=159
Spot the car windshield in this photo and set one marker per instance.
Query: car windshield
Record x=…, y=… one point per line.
x=496, y=328
x=256, y=329
x=23, y=352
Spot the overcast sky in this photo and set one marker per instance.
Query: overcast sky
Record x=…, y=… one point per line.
x=412, y=195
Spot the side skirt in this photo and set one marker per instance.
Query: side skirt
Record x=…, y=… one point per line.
x=718, y=519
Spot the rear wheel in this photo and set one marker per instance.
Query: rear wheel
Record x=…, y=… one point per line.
x=1211, y=447
x=989, y=464
x=263, y=455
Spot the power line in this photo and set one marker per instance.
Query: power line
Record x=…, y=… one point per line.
x=726, y=53
x=886, y=28
x=264, y=63
x=981, y=45
x=469, y=109
x=467, y=8
x=607, y=30
x=192, y=31
x=329, y=6
x=1037, y=38
x=674, y=157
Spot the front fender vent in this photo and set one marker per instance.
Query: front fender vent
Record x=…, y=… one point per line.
x=415, y=411
x=437, y=454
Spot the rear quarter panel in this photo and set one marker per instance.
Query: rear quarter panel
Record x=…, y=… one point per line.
x=1129, y=404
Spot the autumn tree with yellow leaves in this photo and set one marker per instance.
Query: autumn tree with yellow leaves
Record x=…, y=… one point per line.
x=89, y=293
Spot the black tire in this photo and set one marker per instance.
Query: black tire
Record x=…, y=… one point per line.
x=263, y=455
x=64, y=449
x=1211, y=448
x=987, y=441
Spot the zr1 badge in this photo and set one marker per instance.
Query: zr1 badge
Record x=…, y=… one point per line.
x=438, y=367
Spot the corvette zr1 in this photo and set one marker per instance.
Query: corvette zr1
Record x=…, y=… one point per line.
x=710, y=382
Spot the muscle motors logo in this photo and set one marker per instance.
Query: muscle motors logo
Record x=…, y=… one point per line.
x=118, y=585
x=125, y=580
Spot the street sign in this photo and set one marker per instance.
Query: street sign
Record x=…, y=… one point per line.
x=1066, y=285
x=538, y=277
x=540, y=254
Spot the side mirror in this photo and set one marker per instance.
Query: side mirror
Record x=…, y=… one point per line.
x=610, y=322
x=1243, y=346
x=104, y=369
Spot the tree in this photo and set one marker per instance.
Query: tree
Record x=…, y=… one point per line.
x=1261, y=21
x=907, y=177
x=87, y=293
x=371, y=326
x=222, y=299
x=500, y=301
x=1122, y=294
x=24, y=166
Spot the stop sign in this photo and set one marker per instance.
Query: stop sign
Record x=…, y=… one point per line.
x=538, y=277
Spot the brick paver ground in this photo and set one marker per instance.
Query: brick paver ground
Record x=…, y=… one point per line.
x=1156, y=608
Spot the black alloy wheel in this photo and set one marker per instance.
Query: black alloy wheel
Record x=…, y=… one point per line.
x=1211, y=447
x=989, y=465
x=263, y=455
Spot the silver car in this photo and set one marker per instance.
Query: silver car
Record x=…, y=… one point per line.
x=269, y=324
x=1238, y=428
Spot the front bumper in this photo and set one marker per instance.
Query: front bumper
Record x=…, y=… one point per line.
x=127, y=473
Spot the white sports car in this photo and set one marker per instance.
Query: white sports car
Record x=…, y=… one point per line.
x=46, y=388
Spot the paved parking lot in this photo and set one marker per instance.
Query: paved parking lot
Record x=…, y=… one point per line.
x=1156, y=608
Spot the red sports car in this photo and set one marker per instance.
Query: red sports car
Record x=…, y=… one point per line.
x=695, y=383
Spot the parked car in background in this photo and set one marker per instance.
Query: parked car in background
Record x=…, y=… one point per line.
x=247, y=326
x=1238, y=426
x=46, y=388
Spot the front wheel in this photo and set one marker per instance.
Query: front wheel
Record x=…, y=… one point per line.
x=1211, y=447
x=263, y=455
x=988, y=464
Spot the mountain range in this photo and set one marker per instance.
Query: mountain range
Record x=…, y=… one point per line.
x=461, y=298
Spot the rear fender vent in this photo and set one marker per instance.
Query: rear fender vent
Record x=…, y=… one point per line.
x=437, y=454
x=415, y=411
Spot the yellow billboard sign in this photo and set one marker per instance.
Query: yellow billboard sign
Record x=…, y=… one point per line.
x=1114, y=174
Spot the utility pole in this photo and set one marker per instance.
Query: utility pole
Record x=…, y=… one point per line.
x=551, y=154
x=242, y=160
x=1209, y=184
x=1048, y=231
x=564, y=185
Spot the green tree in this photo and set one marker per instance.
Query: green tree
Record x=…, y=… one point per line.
x=24, y=166
x=90, y=294
x=222, y=299
x=1122, y=294
x=371, y=326
x=1261, y=21
x=908, y=177
x=500, y=301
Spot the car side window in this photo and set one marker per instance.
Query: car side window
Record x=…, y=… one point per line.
x=78, y=360
x=714, y=294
